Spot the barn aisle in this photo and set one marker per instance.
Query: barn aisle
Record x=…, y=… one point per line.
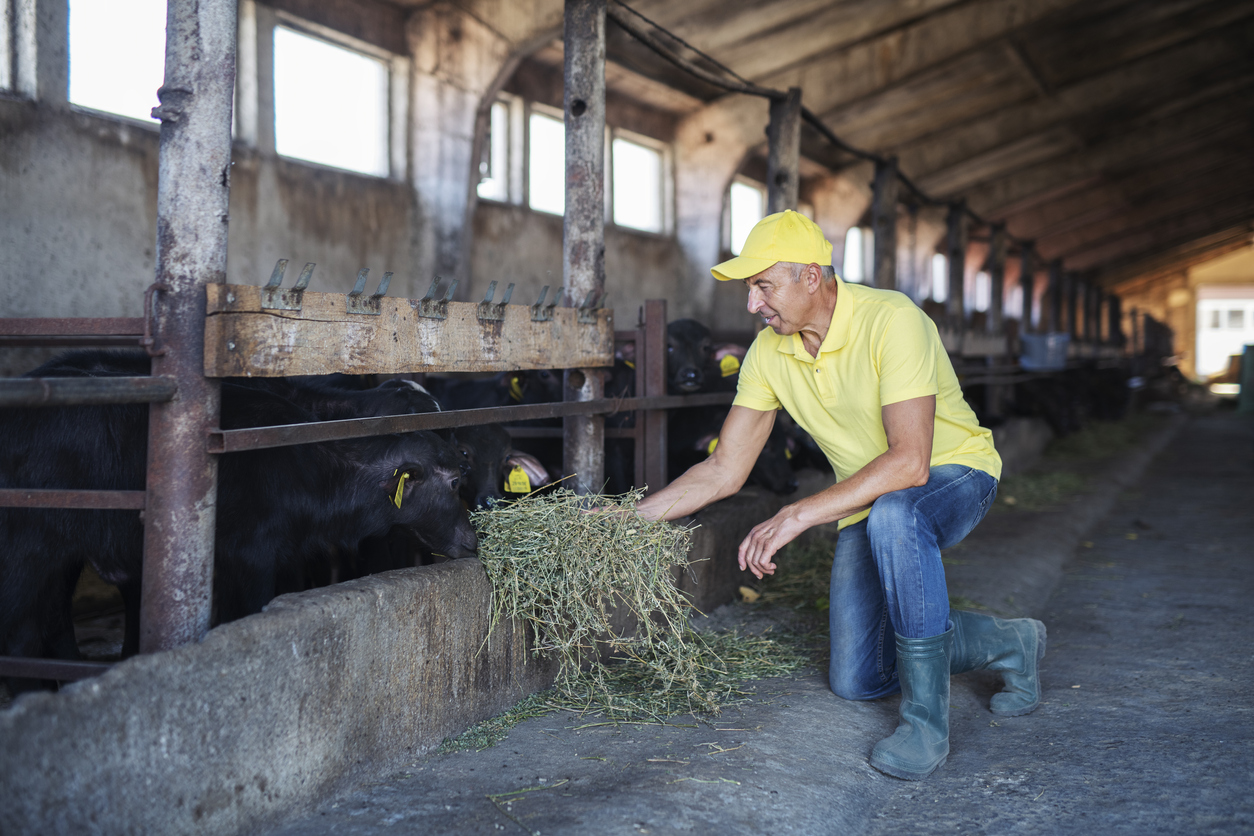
x=1144, y=728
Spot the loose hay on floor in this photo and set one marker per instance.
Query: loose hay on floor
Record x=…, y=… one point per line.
x=570, y=573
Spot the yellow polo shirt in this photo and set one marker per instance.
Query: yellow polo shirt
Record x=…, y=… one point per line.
x=880, y=349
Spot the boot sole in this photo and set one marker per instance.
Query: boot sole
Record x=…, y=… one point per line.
x=905, y=775
x=1040, y=654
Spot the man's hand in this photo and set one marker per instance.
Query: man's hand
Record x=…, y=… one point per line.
x=767, y=538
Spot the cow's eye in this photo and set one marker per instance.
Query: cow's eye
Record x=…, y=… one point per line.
x=465, y=453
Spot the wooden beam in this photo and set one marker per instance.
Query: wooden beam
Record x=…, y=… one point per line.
x=583, y=227
x=244, y=340
x=956, y=250
x=783, y=136
x=996, y=266
x=1176, y=256
x=1027, y=283
x=1054, y=323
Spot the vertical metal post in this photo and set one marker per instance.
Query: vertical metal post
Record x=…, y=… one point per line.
x=583, y=229
x=1027, y=283
x=956, y=243
x=1115, y=326
x=783, y=161
x=655, y=475
x=1055, y=296
x=1073, y=298
x=884, y=224
x=996, y=277
x=193, y=186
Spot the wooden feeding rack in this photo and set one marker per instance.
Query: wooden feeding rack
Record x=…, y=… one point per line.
x=271, y=332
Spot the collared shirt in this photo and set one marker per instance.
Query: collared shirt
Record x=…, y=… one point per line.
x=880, y=349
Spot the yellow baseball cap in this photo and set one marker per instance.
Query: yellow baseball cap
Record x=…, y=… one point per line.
x=784, y=236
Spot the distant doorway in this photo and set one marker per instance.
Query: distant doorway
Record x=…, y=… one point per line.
x=1225, y=325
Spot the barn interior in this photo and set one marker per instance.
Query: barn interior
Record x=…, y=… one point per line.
x=1066, y=188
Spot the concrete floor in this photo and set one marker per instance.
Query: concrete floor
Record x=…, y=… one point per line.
x=1145, y=726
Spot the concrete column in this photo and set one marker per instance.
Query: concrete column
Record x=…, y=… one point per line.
x=1027, y=283
x=884, y=225
x=956, y=249
x=193, y=187
x=1055, y=296
x=41, y=50
x=997, y=277
x=783, y=133
x=583, y=229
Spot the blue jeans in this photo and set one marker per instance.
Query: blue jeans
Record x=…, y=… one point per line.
x=887, y=575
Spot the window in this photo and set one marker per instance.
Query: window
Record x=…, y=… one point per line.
x=747, y=206
x=940, y=278
x=546, y=163
x=1214, y=319
x=117, y=55
x=1236, y=318
x=6, y=47
x=859, y=251
x=494, y=168
x=330, y=104
x=639, y=184
x=983, y=291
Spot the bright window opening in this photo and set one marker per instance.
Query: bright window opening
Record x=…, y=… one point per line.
x=638, y=186
x=494, y=164
x=747, y=207
x=546, y=164
x=6, y=46
x=330, y=104
x=1225, y=327
x=983, y=291
x=117, y=55
x=940, y=278
x=859, y=250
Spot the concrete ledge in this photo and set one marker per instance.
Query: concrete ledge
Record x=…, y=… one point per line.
x=268, y=714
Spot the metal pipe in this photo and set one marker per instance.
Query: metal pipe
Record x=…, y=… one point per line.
x=783, y=161
x=95, y=500
x=258, y=438
x=193, y=188
x=884, y=225
x=31, y=326
x=81, y=391
x=58, y=669
x=583, y=228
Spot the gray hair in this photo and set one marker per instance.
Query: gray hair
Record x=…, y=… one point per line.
x=826, y=271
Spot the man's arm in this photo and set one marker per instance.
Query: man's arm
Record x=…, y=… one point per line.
x=742, y=438
x=909, y=426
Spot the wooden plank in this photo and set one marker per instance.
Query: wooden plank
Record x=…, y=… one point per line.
x=242, y=340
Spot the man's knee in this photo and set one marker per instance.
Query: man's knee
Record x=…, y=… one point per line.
x=891, y=513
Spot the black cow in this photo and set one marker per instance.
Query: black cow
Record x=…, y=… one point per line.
x=276, y=508
x=504, y=389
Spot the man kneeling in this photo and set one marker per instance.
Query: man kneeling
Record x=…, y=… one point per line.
x=865, y=373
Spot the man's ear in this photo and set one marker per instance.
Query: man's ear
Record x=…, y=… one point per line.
x=814, y=277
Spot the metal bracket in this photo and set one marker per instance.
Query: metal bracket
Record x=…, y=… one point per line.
x=588, y=310
x=541, y=312
x=489, y=312
x=149, y=340
x=275, y=298
x=432, y=308
x=369, y=306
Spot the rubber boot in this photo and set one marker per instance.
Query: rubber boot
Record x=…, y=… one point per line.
x=921, y=743
x=1011, y=646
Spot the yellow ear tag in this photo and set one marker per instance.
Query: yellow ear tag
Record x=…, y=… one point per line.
x=515, y=388
x=517, y=482
x=788, y=454
x=709, y=448
x=400, y=488
x=729, y=365
x=629, y=364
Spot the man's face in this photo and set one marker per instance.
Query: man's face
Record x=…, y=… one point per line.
x=779, y=298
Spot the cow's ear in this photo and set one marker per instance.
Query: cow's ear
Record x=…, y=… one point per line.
x=400, y=484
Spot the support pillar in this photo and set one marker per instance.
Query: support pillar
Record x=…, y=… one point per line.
x=583, y=229
x=1055, y=296
x=783, y=162
x=1073, y=299
x=997, y=278
x=1114, y=310
x=884, y=224
x=193, y=187
x=956, y=243
x=1027, y=283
